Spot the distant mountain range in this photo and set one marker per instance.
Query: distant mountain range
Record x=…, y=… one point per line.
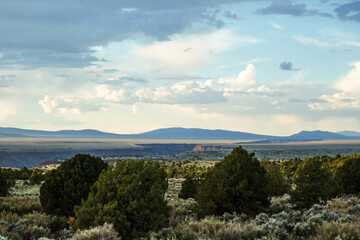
x=174, y=133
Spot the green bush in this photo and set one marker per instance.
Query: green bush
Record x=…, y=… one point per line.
x=236, y=184
x=130, y=196
x=65, y=186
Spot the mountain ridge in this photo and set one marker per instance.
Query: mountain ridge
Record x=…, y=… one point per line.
x=173, y=133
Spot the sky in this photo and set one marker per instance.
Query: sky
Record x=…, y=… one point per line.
x=129, y=66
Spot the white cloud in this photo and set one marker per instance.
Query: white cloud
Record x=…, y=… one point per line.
x=103, y=91
x=348, y=97
x=335, y=101
x=323, y=44
x=276, y=26
x=260, y=90
x=186, y=52
x=136, y=109
x=6, y=110
x=242, y=81
x=351, y=82
x=144, y=94
x=69, y=105
x=48, y=104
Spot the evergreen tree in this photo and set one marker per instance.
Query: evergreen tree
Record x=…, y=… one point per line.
x=277, y=186
x=131, y=196
x=65, y=186
x=348, y=175
x=188, y=188
x=313, y=183
x=4, y=184
x=236, y=184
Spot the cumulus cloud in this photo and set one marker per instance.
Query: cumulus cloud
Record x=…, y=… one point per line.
x=65, y=105
x=48, y=104
x=103, y=91
x=241, y=82
x=260, y=90
x=335, y=101
x=348, y=97
x=182, y=93
x=351, y=82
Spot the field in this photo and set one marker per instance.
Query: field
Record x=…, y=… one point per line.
x=32, y=152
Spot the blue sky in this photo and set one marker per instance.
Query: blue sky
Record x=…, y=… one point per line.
x=269, y=67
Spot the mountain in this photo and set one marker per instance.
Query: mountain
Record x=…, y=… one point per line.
x=87, y=133
x=198, y=133
x=349, y=133
x=318, y=135
x=175, y=133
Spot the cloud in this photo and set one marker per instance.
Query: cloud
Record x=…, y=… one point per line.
x=172, y=59
x=260, y=90
x=182, y=93
x=349, y=11
x=61, y=34
x=324, y=44
x=276, y=26
x=47, y=104
x=6, y=80
x=65, y=105
x=7, y=109
x=285, y=7
x=241, y=82
x=335, y=101
x=351, y=82
x=287, y=66
x=136, y=109
x=132, y=79
x=347, y=98
x=103, y=91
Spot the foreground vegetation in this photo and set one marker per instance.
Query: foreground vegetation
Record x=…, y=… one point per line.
x=236, y=198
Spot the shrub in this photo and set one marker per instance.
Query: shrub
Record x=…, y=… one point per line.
x=22, y=205
x=131, y=196
x=331, y=230
x=236, y=184
x=104, y=232
x=65, y=186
